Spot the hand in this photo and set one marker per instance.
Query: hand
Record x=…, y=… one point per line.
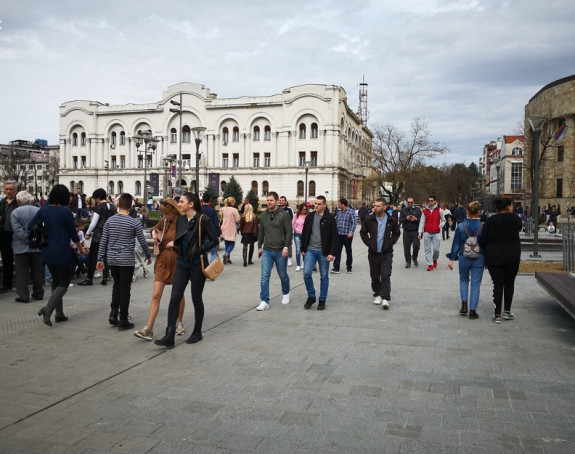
x=350, y=235
x=170, y=245
x=302, y=254
x=419, y=236
x=87, y=236
x=285, y=253
x=259, y=253
x=330, y=258
x=100, y=266
x=149, y=261
x=450, y=265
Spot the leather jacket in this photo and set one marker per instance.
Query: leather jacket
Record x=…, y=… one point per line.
x=208, y=241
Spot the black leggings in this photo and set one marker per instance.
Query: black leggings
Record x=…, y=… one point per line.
x=181, y=278
x=503, y=278
x=93, y=259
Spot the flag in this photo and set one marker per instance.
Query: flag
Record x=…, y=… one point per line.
x=173, y=170
x=560, y=133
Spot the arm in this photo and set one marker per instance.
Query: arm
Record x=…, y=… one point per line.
x=421, y=224
x=353, y=221
x=288, y=235
x=364, y=232
x=20, y=231
x=441, y=219
x=395, y=232
x=93, y=224
x=142, y=240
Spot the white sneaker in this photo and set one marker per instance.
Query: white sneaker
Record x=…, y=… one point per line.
x=385, y=304
x=298, y=268
x=285, y=299
x=263, y=306
x=377, y=300
x=97, y=275
x=289, y=262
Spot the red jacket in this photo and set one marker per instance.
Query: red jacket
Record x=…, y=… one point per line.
x=432, y=220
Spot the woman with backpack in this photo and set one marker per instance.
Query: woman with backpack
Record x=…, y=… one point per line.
x=466, y=250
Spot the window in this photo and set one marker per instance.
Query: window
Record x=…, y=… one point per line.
x=300, y=188
x=83, y=139
x=265, y=188
x=267, y=159
x=122, y=138
x=560, y=153
x=114, y=163
x=516, y=176
x=236, y=137
x=83, y=160
x=75, y=140
x=138, y=188
x=225, y=135
x=149, y=159
x=267, y=133
x=236, y=160
x=75, y=162
x=256, y=159
x=223, y=185
x=111, y=185
x=186, y=134
x=301, y=159
x=140, y=162
x=255, y=187
x=256, y=133
x=224, y=160
x=113, y=139
x=517, y=151
x=314, y=130
x=120, y=187
x=173, y=135
x=311, y=191
x=313, y=159
x=559, y=192
x=122, y=162
x=302, y=131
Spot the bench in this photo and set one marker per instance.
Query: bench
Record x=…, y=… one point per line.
x=561, y=286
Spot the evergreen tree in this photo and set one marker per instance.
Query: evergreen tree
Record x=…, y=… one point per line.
x=254, y=200
x=213, y=195
x=233, y=189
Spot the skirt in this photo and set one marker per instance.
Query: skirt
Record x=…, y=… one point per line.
x=249, y=238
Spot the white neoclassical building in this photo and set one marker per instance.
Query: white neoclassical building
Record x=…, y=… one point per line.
x=264, y=142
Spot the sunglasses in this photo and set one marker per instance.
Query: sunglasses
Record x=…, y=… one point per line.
x=272, y=215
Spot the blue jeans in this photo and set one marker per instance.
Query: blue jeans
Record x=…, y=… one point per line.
x=297, y=241
x=471, y=269
x=229, y=246
x=268, y=260
x=311, y=257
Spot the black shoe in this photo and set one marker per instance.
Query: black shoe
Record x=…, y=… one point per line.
x=113, y=318
x=195, y=337
x=473, y=315
x=22, y=300
x=408, y=265
x=37, y=297
x=415, y=262
x=86, y=282
x=45, y=316
x=5, y=289
x=309, y=303
x=463, y=310
x=60, y=318
x=250, y=262
x=124, y=325
x=104, y=282
x=321, y=306
x=168, y=340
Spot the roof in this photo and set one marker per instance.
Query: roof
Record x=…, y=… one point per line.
x=511, y=139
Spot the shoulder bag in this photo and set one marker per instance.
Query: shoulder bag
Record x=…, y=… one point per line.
x=214, y=269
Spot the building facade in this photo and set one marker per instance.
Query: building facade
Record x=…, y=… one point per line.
x=556, y=102
x=264, y=142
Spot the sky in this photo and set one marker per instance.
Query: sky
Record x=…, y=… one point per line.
x=468, y=67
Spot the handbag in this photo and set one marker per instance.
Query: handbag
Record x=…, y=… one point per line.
x=37, y=236
x=214, y=269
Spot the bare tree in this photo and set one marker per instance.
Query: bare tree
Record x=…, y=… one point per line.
x=397, y=155
x=16, y=165
x=51, y=171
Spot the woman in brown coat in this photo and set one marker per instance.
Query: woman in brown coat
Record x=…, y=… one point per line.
x=249, y=229
x=164, y=267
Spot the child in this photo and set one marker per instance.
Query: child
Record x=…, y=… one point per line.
x=551, y=228
x=117, y=247
x=79, y=264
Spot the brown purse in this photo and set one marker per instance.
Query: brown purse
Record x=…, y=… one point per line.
x=214, y=269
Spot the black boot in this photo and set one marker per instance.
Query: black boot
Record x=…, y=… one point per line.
x=168, y=340
x=473, y=315
x=124, y=324
x=195, y=337
x=251, y=255
x=45, y=313
x=463, y=310
x=113, y=317
x=245, y=256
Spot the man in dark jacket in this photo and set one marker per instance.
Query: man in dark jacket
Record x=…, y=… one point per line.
x=409, y=219
x=502, y=248
x=379, y=233
x=319, y=240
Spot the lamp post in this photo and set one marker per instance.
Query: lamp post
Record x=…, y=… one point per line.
x=198, y=133
x=536, y=122
x=169, y=160
x=307, y=165
x=149, y=143
x=178, y=111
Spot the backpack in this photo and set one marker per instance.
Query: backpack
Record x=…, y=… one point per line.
x=471, y=246
x=37, y=236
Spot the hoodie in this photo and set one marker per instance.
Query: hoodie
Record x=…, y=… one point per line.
x=500, y=240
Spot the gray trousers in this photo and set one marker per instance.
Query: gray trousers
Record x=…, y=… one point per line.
x=29, y=265
x=431, y=243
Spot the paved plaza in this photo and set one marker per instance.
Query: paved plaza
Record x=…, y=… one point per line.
x=418, y=378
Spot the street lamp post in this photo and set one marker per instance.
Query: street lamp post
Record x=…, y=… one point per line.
x=307, y=165
x=169, y=160
x=536, y=122
x=198, y=133
x=149, y=143
x=178, y=111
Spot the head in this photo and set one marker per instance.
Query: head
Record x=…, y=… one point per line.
x=248, y=211
x=79, y=191
x=169, y=207
x=24, y=198
x=301, y=209
x=502, y=204
x=190, y=201
x=247, y=202
x=231, y=201
x=272, y=200
x=59, y=195
x=342, y=203
x=99, y=194
x=283, y=201
x=432, y=201
x=473, y=209
x=554, y=207
x=379, y=206
x=125, y=201
x=205, y=198
x=410, y=202
x=10, y=189
x=80, y=224
x=320, y=204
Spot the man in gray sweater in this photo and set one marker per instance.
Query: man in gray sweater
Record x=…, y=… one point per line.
x=274, y=239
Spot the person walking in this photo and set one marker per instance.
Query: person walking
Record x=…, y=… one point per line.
x=249, y=230
x=190, y=244
x=7, y=205
x=470, y=268
x=118, y=245
x=27, y=260
x=60, y=229
x=297, y=224
x=447, y=224
x=346, y=224
x=502, y=247
x=409, y=220
x=230, y=220
x=274, y=240
x=211, y=213
x=284, y=205
x=319, y=240
x=379, y=233
x=164, y=267
x=430, y=225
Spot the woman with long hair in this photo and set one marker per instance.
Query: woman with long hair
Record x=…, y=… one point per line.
x=249, y=229
x=297, y=224
x=57, y=254
x=230, y=219
x=163, y=233
x=190, y=246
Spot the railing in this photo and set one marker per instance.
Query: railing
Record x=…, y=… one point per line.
x=568, y=247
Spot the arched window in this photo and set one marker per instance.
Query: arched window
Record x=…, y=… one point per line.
x=236, y=137
x=72, y=187
x=122, y=138
x=256, y=133
x=186, y=134
x=223, y=185
x=83, y=139
x=113, y=138
x=517, y=151
x=255, y=186
x=138, y=188
x=173, y=135
x=311, y=189
x=314, y=130
x=75, y=140
x=300, y=188
x=80, y=186
x=265, y=188
x=267, y=133
x=121, y=187
x=302, y=131
x=225, y=135
x=111, y=187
